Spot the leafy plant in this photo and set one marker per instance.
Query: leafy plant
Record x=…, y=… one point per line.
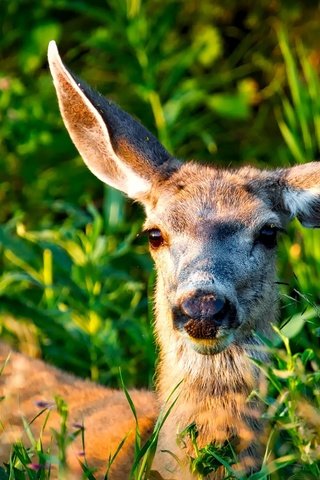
x=226, y=83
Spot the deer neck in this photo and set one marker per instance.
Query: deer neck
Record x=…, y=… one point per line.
x=212, y=389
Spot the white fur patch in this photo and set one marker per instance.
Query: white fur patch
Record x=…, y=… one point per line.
x=135, y=185
x=300, y=201
x=201, y=277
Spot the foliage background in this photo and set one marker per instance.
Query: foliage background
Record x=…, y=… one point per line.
x=228, y=82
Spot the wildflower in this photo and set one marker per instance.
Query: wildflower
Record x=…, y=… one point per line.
x=44, y=404
x=35, y=466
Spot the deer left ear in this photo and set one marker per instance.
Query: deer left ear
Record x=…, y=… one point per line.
x=300, y=190
x=114, y=146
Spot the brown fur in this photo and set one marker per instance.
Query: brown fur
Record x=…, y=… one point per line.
x=105, y=413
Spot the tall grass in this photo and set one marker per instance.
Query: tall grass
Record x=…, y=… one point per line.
x=74, y=283
x=71, y=265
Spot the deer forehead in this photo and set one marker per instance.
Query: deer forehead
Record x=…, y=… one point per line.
x=201, y=197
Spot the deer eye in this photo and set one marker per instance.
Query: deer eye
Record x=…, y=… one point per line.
x=268, y=236
x=155, y=238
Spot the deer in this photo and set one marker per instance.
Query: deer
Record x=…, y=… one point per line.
x=213, y=235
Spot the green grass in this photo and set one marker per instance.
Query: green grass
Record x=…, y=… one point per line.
x=222, y=83
x=74, y=283
x=292, y=416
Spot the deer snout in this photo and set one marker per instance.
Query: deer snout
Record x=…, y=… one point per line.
x=203, y=306
x=201, y=313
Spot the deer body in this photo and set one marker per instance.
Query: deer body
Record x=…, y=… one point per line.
x=212, y=235
x=30, y=385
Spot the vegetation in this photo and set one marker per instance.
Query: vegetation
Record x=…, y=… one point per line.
x=217, y=81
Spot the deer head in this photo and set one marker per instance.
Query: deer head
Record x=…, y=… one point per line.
x=212, y=232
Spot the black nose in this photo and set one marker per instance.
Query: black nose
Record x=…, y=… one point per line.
x=205, y=306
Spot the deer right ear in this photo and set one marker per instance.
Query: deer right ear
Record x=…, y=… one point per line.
x=115, y=147
x=301, y=193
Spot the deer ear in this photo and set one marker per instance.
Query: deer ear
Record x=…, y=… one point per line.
x=301, y=193
x=115, y=147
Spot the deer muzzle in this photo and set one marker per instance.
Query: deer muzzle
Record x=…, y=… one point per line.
x=203, y=314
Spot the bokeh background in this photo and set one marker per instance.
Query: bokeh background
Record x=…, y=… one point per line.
x=226, y=82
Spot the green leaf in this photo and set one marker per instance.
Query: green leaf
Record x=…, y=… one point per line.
x=297, y=322
x=35, y=45
x=233, y=106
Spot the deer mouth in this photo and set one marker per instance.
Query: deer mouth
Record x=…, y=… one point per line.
x=207, y=338
x=210, y=346
x=206, y=335
x=201, y=329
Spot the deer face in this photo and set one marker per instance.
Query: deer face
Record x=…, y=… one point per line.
x=213, y=241
x=212, y=232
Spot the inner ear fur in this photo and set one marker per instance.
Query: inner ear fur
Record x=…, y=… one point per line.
x=293, y=192
x=114, y=146
x=301, y=193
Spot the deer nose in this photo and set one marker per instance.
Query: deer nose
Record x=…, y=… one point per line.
x=205, y=306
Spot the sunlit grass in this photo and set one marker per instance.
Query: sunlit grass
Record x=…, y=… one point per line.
x=292, y=421
x=73, y=272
